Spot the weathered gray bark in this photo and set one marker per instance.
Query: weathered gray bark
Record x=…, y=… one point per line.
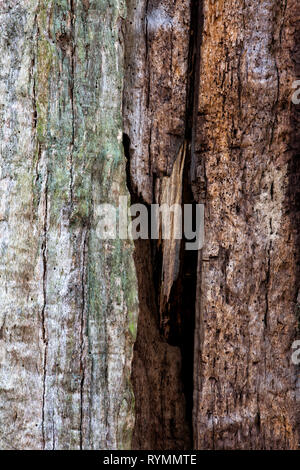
x=67, y=299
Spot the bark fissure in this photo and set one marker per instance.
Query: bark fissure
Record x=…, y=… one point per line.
x=82, y=330
x=234, y=165
x=43, y=313
x=169, y=307
x=71, y=87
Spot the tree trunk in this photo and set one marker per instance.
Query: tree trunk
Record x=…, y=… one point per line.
x=68, y=299
x=215, y=78
x=248, y=280
x=207, y=117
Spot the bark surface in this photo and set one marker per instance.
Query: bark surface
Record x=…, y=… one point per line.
x=218, y=80
x=68, y=299
x=206, y=117
x=245, y=157
x=155, y=114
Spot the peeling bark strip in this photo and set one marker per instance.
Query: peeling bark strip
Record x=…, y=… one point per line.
x=67, y=299
x=219, y=76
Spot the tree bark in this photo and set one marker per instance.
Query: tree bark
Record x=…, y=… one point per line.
x=248, y=275
x=216, y=78
x=184, y=101
x=68, y=299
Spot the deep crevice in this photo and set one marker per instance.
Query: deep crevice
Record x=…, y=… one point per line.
x=180, y=313
x=164, y=408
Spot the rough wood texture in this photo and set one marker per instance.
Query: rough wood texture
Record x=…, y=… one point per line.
x=235, y=112
x=67, y=299
x=208, y=118
x=155, y=99
x=157, y=46
x=248, y=281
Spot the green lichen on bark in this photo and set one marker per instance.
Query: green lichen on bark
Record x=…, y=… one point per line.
x=83, y=298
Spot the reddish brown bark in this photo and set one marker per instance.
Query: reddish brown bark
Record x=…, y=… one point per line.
x=217, y=76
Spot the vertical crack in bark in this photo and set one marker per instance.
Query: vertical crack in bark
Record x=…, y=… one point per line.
x=44, y=334
x=197, y=19
x=146, y=58
x=163, y=363
x=71, y=86
x=191, y=260
x=37, y=180
x=82, y=365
